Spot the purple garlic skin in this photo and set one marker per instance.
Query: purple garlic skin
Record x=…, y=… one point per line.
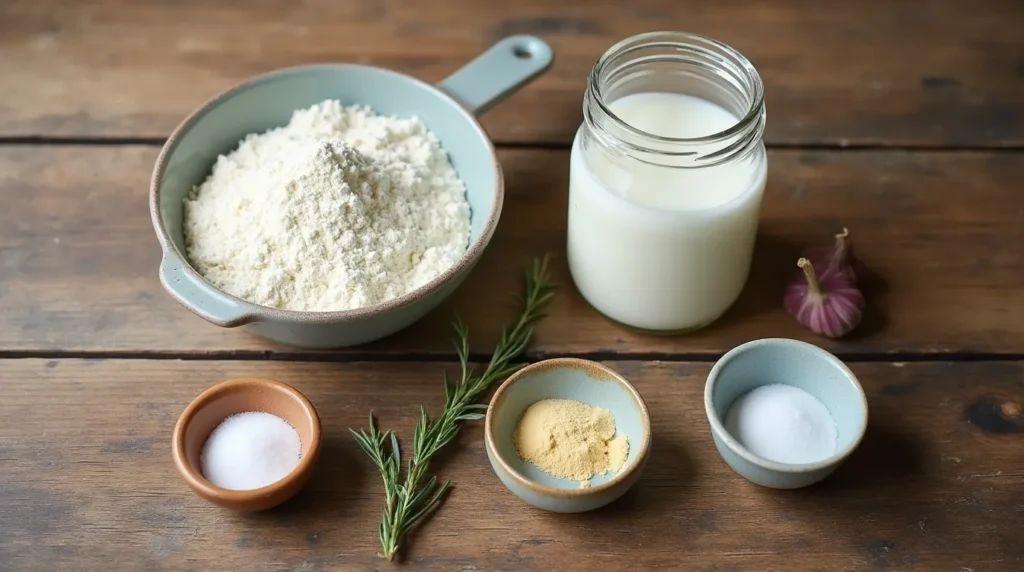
x=839, y=256
x=827, y=302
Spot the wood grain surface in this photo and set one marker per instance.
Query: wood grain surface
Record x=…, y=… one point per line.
x=902, y=120
x=904, y=72
x=78, y=258
x=88, y=483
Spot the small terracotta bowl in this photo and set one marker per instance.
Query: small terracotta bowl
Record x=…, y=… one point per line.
x=565, y=378
x=242, y=395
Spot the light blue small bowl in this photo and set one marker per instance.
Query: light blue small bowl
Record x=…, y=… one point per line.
x=566, y=378
x=449, y=110
x=795, y=363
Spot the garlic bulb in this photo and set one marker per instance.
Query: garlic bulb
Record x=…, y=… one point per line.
x=825, y=299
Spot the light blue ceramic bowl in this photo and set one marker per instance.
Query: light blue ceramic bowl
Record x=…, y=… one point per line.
x=795, y=363
x=448, y=109
x=566, y=378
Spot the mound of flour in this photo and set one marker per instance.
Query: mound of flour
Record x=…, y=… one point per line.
x=340, y=209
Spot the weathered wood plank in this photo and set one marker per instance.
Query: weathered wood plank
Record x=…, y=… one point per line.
x=902, y=72
x=88, y=482
x=78, y=257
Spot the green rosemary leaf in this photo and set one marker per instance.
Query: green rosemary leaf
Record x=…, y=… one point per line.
x=430, y=505
x=449, y=391
x=395, y=458
x=470, y=417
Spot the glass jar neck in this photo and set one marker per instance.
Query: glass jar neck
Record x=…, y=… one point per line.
x=682, y=63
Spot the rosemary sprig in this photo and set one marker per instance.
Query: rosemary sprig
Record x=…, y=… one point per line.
x=409, y=501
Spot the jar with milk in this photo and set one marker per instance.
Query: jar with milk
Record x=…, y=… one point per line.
x=666, y=177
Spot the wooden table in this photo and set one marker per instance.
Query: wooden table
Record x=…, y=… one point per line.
x=902, y=120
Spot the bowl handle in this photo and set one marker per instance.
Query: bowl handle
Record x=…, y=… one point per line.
x=498, y=73
x=209, y=304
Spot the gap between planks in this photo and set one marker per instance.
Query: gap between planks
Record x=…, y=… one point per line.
x=103, y=141
x=445, y=357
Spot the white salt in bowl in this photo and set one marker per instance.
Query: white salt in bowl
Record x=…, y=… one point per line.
x=798, y=364
x=232, y=397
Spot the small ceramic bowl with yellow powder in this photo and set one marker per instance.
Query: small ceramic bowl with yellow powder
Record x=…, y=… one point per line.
x=567, y=435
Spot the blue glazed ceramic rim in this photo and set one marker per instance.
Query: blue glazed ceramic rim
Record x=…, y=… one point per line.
x=260, y=313
x=556, y=363
x=719, y=430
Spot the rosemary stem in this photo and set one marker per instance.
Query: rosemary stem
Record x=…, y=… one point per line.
x=411, y=500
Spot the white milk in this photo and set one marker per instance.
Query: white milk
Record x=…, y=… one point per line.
x=656, y=247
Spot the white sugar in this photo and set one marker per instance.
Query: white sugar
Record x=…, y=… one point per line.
x=784, y=424
x=250, y=450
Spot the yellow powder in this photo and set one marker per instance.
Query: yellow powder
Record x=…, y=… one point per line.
x=570, y=440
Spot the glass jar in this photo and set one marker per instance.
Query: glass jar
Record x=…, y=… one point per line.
x=666, y=177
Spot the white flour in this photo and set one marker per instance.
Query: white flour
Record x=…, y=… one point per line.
x=340, y=209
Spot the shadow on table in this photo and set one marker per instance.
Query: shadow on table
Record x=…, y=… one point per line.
x=773, y=265
x=885, y=455
x=867, y=502
x=887, y=461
